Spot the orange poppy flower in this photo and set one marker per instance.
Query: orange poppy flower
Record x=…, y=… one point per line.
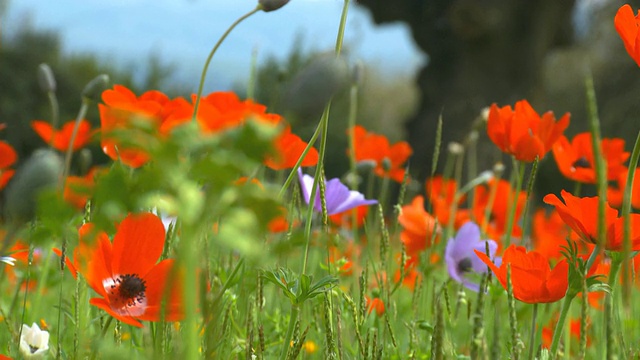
x=441, y=193
x=418, y=225
x=627, y=26
x=615, y=194
x=411, y=275
x=375, y=304
x=78, y=189
x=289, y=148
x=60, y=139
x=8, y=157
x=575, y=160
x=496, y=224
x=121, y=106
x=389, y=159
x=532, y=278
x=126, y=273
x=549, y=234
x=521, y=132
x=581, y=214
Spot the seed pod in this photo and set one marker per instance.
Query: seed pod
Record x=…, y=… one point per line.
x=46, y=80
x=93, y=90
x=271, y=5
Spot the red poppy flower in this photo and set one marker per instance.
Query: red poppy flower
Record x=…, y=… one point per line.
x=126, y=273
x=345, y=218
x=289, y=148
x=615, y=194
x=418, y=226
x=389, y=159
x=121, y=107
x=532, y=278
x=78, y=189
x=521, y=132
x=375, y=304
x=627, y=26
x=581, y=214
x=505, y=196
x=575, y=160
x=549, y=234
x=60, y=139
x=8, y=157
x=441, y=193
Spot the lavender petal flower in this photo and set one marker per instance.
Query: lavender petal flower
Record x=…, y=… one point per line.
x=337, y=195
x=461, y=258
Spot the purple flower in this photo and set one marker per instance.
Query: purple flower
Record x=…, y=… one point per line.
x=337, y=195
x=460, y=257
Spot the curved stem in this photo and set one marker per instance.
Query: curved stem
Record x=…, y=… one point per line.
x=566, y=304
x=210, y=57
x=67, y=158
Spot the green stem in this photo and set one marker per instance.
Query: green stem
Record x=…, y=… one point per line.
x=525, y=214
x=557, y=333
x=295, y=310
x=626, y=210
x=188, y=257
x=518, y=168
x=532, y=335
x=210, y=57
x=55, y=110
x=67, y=158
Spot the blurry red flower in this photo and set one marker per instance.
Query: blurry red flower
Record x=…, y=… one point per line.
x=505, y=196
x=8, y=157
x=389, y=159
x=549, y=234
x=60, y=139
x=531, y=276
x=581, y=214
x=419, y=226
x=627, y=26
x=78, y=189
x=441, y=193
x=289, y=148
x=575, y=160
x=521, y=132
x=126, y=273
x=615, y=194
x=375, y=304
x=345, y=218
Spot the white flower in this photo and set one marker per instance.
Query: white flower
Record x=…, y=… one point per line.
x=34, y=343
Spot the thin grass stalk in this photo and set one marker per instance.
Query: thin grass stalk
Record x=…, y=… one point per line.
x=478, y=324
x=436, y=147
x=339, y=331
x=251, y=83
x=210, y=57
x=493, y=191
x=351, y=123
x=626, y=210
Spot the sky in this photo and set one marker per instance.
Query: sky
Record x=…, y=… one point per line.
x=183, y=32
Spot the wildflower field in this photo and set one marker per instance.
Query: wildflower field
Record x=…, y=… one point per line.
x=214, y=233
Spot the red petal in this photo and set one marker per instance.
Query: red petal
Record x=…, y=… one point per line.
x=104, y=305
x=138, y=244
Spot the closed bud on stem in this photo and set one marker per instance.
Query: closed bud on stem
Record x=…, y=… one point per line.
x=270, y=5
x=455, y=148
x=95, y=87
x=84, y=160
x=46, y=80
x=498, y=169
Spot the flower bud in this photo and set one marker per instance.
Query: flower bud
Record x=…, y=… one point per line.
x=316, y=84
x=93, y=90
x=46, y=80
x=455, y=148
x=43, y=170
x=498, y=169
x=271, y=5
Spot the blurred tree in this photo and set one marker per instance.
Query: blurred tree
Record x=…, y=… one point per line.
x=487, y=51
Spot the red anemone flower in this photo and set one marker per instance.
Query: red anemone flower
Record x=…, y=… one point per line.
x=575, y=159
x=521, y=132
x=126, y=273
x=531, y=276
x=627, y=26
x=389, y=159
x=505, y=196
x=615, y=195
x=581, y=214
x=60, y=139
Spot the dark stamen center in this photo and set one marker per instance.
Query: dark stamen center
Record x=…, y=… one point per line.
x=131, y=287
x=582, y=163
x=464, y=265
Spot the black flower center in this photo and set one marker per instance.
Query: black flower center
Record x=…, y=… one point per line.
x=582, y=163
x=130, y=287
x=464, y=265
